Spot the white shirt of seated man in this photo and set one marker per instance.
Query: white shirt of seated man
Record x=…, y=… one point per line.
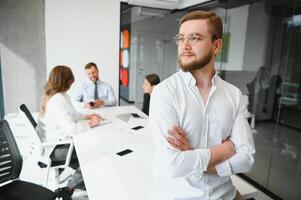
x=95, y=93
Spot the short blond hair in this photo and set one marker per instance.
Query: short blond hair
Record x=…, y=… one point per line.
x=214, y=21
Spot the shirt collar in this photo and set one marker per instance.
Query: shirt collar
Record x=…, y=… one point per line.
x=98, y=81
x=190, y=80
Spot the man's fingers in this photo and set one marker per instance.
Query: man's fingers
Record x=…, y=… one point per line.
x=177, y=136
x=174, y=141
x=178, y=139
x=177, y=147
x=178, y=130
x=174, y=144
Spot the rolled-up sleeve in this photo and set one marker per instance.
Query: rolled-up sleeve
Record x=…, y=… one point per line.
x=163, y=116
x=241, y=136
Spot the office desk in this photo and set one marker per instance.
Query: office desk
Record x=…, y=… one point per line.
x=108, y=175
x=111, y=177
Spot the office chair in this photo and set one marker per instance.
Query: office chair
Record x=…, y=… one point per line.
x=38, y=147
x=26, y=111
x=11, y=188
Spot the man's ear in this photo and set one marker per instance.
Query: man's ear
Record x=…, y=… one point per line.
x=217, y=46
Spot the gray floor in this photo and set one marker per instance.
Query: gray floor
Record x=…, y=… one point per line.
x=278, y=160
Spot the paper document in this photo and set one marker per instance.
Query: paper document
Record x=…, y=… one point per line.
x=105, y=121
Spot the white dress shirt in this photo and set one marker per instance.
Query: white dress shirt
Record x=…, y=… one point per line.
x=105, y=93
x=60, y=120
x=182, y=175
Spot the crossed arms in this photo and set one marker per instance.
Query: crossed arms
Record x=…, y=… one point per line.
x=177, y=139
x=233, y=155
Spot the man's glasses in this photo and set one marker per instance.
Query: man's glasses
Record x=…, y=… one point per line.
x=192, y=38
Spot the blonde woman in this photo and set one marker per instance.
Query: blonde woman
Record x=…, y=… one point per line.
x=58, y=119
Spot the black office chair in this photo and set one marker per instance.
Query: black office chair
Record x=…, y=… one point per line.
x=26, y=111
x=52, y=161
x=11, y=188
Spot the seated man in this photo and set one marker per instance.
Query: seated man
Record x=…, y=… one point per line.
x=95, y=93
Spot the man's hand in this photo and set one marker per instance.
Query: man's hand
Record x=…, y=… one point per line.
x=177, y=138
x=211, y=170
x=91, y=105
x=228, y=148
x=220, y=153
x=98, y=103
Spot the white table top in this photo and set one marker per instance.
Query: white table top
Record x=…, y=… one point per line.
x=108, y=175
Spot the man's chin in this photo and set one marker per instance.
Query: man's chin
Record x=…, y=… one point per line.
x=186, y=66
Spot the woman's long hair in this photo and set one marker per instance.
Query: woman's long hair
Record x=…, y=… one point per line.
x=60, y=80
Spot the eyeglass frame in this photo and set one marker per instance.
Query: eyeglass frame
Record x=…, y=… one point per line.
x=197, y=36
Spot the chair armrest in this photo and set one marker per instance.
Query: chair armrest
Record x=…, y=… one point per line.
x=60, y=142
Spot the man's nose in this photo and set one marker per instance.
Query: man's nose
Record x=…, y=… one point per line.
x=185, y=44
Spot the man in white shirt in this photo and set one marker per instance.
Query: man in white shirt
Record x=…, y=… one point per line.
x=210, y=138
x=95, y=93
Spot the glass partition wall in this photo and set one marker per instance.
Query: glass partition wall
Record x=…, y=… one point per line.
x=261, y=56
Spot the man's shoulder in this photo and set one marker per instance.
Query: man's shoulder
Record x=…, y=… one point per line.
x=100, y=82
x=167, y=86
x=228, y=86
x=86, y=84
x=171, y=81
x=230, y=90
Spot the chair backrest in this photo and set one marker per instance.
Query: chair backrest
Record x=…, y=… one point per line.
x=36, y=147
x=10, y=157
x=26, y=111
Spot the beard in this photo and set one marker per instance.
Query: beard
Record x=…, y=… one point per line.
x=195, y=64
x=94, y=79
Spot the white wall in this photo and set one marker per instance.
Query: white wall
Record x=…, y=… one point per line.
x=78, y=32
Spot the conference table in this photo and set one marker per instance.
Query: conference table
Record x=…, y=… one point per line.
x=108, y=175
